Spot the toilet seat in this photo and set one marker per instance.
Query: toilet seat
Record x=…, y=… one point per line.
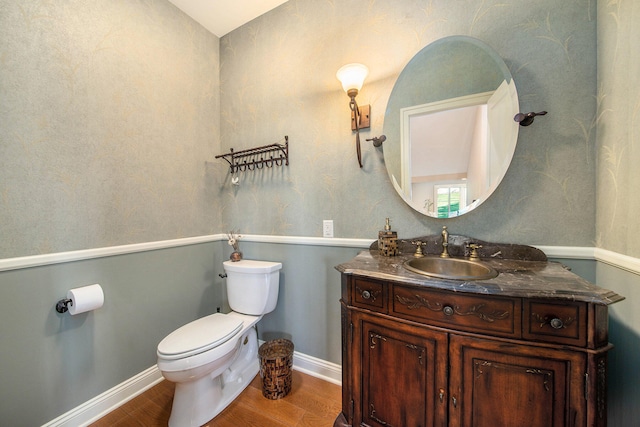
x=199, y=336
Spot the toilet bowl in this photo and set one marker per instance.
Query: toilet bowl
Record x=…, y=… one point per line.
x=214, y=358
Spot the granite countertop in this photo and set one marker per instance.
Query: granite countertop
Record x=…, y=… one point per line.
x=516, y=278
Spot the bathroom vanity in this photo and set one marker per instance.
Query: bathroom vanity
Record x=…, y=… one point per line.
x=526, y=348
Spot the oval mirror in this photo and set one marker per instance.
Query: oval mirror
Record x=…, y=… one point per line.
x=450, y=128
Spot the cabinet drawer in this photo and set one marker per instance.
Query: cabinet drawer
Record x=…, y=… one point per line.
x=563, y=323
x=369, y=294
x=482, y=314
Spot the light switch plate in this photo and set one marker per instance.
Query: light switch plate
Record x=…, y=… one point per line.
x=327, y=228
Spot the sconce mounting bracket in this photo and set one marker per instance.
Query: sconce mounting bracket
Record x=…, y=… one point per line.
x=363, y=111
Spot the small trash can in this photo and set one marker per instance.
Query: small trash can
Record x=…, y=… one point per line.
x=276, y=360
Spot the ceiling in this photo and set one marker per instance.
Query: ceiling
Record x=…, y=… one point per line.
x=223, y=16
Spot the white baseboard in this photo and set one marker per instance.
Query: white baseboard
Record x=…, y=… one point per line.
x=101, y=405
x=328, y=371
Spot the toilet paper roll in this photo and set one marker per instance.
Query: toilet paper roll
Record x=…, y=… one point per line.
x=85, y=299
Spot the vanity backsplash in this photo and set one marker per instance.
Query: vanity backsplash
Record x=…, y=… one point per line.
x=459, y=247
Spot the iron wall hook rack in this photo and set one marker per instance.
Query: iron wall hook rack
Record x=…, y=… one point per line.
x=257, y=158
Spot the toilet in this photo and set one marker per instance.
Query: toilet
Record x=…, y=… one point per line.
x=213, y=359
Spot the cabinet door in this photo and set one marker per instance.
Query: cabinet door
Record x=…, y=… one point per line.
x=500, y=384
x=401, y=383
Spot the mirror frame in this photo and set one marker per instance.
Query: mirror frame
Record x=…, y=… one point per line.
x=459, y=93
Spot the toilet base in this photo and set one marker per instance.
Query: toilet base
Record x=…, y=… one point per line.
x=197, y=402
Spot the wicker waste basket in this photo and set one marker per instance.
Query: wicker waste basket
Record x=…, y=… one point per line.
x=276, y=359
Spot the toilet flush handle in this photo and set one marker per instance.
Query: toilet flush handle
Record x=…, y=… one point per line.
x=222, y=275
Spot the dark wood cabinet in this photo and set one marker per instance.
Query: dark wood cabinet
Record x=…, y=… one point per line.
x=499, y=384
x=400, y=373
x=414, y=356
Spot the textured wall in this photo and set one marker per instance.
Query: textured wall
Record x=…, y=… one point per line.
x=618, y=202
x=618, y=127
x=278, y=78
x=108, y=112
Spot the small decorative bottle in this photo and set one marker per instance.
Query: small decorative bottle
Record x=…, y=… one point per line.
x=388, y=241
x=234, y=242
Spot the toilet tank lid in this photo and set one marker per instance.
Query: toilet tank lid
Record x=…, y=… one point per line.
x=252, y=266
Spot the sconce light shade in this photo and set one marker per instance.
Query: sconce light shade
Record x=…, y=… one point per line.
x=352, y=76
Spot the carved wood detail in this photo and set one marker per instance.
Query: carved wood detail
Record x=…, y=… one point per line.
x=477, y=310
x=372, y=415
x=372, y=339
x=547, y=320
x=420, y=350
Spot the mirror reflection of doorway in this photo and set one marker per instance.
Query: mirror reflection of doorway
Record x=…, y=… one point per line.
x=455, y=142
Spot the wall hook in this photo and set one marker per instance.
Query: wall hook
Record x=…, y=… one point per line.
x=378, y=140
x=525, y=119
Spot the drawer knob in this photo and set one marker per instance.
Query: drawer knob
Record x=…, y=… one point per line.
x=366, y=294
x=448, y=310
x=556, y=323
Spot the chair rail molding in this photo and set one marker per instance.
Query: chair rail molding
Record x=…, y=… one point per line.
x=569, y=252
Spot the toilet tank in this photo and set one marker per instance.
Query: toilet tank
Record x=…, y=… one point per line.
x=252, y=286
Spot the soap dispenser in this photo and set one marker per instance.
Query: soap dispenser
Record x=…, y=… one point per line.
x=388, y=241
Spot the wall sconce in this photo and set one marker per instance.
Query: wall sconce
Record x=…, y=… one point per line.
x=352, y=77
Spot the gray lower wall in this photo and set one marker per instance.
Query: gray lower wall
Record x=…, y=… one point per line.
x=52, y=363
x=585, y=268
x=308, y=310
x=624, y=334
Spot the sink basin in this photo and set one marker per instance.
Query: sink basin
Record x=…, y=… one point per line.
x=451, y=268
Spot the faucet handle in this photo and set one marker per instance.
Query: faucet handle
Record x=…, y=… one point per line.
x=419, y=246
x=474, y=250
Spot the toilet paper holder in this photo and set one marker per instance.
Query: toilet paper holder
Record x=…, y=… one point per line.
x=63, y=305
x=82, y=299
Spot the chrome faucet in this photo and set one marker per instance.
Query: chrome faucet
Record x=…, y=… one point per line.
x=445, y=243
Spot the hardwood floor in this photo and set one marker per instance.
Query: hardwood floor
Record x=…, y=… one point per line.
x=312, y=402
